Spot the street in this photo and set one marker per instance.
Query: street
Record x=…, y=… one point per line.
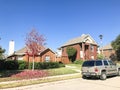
x=112, y=83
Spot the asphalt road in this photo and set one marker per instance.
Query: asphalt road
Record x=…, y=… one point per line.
x=112, y=83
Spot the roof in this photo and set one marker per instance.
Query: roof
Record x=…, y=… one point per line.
x=24, y=49
x=108, y=46
x=82, y=38
x=46, y=50
x=21, y=51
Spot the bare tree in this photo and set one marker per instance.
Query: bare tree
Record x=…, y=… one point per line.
x=34, y=44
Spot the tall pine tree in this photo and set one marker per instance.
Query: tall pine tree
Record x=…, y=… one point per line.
x=116, y=47
x=2, y=51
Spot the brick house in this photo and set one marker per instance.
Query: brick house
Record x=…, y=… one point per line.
x=108, y=51
x=44, y=56
x=85, y=45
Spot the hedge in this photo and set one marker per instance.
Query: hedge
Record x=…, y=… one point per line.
x=1, y=64
x=46, y=65
x=21, y=65
x=78, y=62
x=11, y=65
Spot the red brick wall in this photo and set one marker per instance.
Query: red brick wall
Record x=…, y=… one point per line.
x=88, y=52
x=42, y=57
x=65, y=58
x=107, y=53
x=48, y=53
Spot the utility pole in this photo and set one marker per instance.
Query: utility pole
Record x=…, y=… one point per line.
x=101, y=37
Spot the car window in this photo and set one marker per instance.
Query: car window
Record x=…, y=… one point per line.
x=111, y=63
x=88, y=63
x=98, y=63
x=105, y=63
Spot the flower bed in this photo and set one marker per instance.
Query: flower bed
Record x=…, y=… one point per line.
x=29, y=74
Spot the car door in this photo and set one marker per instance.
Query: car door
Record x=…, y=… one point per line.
x=107, y=67
x=113, y=69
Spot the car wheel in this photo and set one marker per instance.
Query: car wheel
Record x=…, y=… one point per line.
x=118, y=72
x=84, y=77
x=103, y=76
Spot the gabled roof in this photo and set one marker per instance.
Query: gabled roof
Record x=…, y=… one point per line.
x=106, y=47
x=82, y=38
x=24, y=49
x=21, y=51
x=46, y=50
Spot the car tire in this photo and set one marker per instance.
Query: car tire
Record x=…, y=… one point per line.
x=103, y=76
x=84, y=77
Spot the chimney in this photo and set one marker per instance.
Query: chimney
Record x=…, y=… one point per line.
x=11, y=47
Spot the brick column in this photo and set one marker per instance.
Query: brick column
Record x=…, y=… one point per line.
x=83, y=49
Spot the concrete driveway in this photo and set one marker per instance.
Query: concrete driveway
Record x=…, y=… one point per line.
x=76, y=84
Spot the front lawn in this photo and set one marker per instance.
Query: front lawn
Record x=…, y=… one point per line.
x=60, y=71
x=77, y=66
x=11, y=75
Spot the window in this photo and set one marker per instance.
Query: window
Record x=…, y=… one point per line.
x=111, y=63
x=47, y=58
x=88, y=63
x=105, y=63
x=92, y=48
x=98, y=63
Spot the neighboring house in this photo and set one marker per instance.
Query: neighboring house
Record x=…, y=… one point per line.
x=85, y=45
x=107, y=51
x=45, y=55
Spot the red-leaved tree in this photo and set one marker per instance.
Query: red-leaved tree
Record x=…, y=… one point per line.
x=34, y=44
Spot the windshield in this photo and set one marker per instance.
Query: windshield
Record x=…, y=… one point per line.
x=88, y=63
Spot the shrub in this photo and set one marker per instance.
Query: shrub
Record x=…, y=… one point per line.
x=2, y=64
x=46, y=65
x=61, y=64
x=11, y=65
x=22, y=64
x=100, y=56
x=78, y=62
x=37, y=65
x=71, y=51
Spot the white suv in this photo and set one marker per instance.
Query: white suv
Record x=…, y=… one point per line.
x=99, y=68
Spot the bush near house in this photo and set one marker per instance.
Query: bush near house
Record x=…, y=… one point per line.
x=46, y=65
x=100, y=56
x=1, y=64
x=78, y=62
x=11, y=65
x=22, y=64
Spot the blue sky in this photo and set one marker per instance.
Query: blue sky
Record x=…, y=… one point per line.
x=58, y=20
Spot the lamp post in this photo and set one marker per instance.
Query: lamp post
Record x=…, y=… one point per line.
x=101, y=37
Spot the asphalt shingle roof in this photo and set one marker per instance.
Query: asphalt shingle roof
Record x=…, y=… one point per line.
x=80, y=39
x=108, y=46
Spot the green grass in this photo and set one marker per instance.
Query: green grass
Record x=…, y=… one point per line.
x=5, y=75
x=52, y=72
x=61, y=71
x=77, y=66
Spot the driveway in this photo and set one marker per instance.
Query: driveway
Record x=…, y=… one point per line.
x=76, y=84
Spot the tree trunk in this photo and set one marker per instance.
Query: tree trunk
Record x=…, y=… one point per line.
x=33, y=63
